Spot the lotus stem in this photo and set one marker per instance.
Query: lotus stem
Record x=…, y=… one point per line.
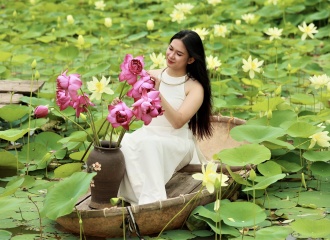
x=169, y=222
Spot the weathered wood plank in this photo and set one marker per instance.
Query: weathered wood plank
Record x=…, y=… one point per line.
x=8, y=98
x=181, y=183
x=20, y=86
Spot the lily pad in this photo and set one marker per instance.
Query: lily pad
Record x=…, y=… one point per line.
x=314, y=199
x=242, y=214
x=316, y=156
x=244, y=155
x=256, y=133
x=311, y=228
x=62, y=197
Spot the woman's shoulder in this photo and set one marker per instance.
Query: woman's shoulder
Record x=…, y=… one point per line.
x=193, y=85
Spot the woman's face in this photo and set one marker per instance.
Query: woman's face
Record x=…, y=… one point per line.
x=177, y=56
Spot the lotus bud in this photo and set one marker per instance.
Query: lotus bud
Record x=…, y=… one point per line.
x=33, y=17
x=289, y=67
x=37, y=75
x=253, y=175
x=81, y=40
x=53, y=30
x=108, y=22
x=211, y=37
x=58, y=19
x=238, y=22
x=70, y=19
x=34, y=64
x=15, y=14
x=66, y=44
x=101, y=40
x=41, y=111
x=278, y=90
x=150, y=24
x=33, y=2
x=269, y=114
x=217, y=205
x=83, y=116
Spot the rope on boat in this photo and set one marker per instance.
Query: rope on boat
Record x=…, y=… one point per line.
x=132, y=226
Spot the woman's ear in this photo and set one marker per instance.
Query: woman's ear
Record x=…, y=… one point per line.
x=191, y=60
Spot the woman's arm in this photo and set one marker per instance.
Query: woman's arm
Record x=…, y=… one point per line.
x=191, y=104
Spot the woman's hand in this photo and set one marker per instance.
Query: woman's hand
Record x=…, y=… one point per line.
x=155, y=79
x=115, y=101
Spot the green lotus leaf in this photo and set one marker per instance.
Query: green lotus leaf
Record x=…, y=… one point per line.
x=272, y=202
x=263, y=184
x=50, y=141
x=244, y=155
x=12, y=187
x=256, y=133
x=46, y=39
x=13, y=112
x=67, y=170
x=302, y=129
x=78, y=136
x=314, y=199
x=228, y=71
x=268, y=104
x=5, y=235
x=316, y=156
x=96, y=70
x=269, y=168
x=305, y=99
x=308, y=228
x=274, y=233
x=32, y=153
x=136, y=36
x=8, y=204
x=13, y=134
x=62, y=197
x=9, y=160
x=67, y=53
x=242, y=214
x=4, y=56
x=321, y=169
x=301, y=213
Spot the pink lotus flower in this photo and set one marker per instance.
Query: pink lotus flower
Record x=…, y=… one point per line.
x=63, y=100
x=120, y=115
x=148, y=106
x=131, y=68
x=70, y=83
x=81, y=103
x=144, y=83
x=41, y=111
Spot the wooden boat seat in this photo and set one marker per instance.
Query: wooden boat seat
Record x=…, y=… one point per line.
x=12, y=90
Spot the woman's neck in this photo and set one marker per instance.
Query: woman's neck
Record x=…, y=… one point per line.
x=176, y=73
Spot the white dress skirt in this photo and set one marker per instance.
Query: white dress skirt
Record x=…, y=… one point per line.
x=154, y=152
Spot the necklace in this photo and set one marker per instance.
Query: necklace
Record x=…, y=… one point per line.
x=172, y=84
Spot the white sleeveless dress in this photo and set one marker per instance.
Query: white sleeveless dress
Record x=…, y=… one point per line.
x=154, y=152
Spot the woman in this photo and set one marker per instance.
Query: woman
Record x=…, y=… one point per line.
x=154, y=152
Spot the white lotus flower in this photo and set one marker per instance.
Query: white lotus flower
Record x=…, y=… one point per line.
x=202, y=32
x=220, y=30
x=252, y=66
x=184, y=7
x=321, y=138
x=307, y=30
x=319, y=81
x=213, y=62
x=248, y=18
x=177, y=16
x=274, y=33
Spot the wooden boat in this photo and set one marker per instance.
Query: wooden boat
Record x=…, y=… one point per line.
x=152, y=218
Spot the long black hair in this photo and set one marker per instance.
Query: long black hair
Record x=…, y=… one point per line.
x=200, y=123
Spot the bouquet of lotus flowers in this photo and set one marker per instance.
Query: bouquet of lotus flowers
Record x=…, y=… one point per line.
x=146, y=101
